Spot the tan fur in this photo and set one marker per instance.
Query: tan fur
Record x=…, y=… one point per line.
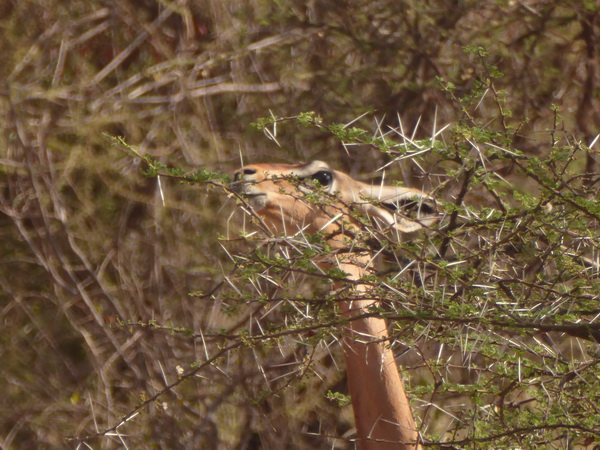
x=277, y=192
x=270, y=191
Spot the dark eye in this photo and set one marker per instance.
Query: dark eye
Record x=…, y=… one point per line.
x=322, y=177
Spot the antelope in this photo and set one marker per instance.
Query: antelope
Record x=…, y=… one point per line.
x=276, y=193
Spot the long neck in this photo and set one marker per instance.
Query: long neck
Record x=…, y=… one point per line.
x=382, y=413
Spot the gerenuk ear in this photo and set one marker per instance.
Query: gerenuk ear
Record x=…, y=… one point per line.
x=405, y=209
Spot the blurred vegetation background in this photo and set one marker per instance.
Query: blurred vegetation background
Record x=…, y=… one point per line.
x=98, y=262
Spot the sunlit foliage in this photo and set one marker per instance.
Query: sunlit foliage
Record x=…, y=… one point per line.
x=137, y=309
